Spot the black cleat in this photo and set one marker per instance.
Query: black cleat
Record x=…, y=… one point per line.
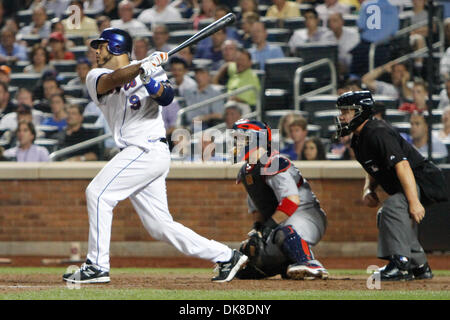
x=88, y=273
x=422, y=272
x=228, y=269
x=391, y=272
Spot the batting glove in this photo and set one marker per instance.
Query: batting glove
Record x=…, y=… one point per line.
x=151, y=64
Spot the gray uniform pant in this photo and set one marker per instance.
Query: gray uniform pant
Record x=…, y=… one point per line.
x=398, y=233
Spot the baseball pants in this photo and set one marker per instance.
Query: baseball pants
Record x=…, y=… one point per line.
x=398, y=234
x=141, y=176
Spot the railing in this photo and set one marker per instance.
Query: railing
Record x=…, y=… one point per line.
x=298, y=79
x=223, y=96
x=440, y=44
x=79, y=146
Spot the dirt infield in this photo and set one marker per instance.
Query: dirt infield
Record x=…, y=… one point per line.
x=437, y=262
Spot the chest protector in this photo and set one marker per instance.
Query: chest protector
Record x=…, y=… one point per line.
x=261, y=194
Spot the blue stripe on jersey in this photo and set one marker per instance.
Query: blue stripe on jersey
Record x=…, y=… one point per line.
x=123, y=121
x=98, y=200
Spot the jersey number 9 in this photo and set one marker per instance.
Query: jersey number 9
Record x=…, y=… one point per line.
x=135, y=102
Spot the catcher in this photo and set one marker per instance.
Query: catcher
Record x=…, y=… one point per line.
x=288, y=219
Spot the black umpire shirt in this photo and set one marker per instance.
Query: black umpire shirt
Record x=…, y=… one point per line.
x=378, y=148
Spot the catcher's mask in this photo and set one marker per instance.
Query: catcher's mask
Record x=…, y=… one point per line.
x=248, y=137
x=361, y=102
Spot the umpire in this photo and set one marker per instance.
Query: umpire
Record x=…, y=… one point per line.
x=409, y=179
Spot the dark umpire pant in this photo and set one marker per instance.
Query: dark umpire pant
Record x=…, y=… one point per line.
x=398, y=233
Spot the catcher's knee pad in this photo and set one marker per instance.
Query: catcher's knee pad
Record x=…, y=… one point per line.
x=292, y=244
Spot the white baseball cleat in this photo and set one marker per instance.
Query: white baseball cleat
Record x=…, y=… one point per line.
x=306, y=270
x=88, y=273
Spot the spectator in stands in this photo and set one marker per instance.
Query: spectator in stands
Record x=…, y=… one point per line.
x=210, y=114
x=229, y=50
x=10, y=120
x=222, y=11
x=90, y=53
x=95, y=6
x=6, y=106
x=444, y=96
x=312, y=33
x=160, y=38
x=343, y=149
x=111, y=10
x=419, y=136
x=39, y=57
x=58, y=50
x=207, y=10
x=103, y=22
x=345, y=37
x=232, y=113
x=180, y=79
x=374, y=30
x=39, y=25
x=88, y=26
x=27, y=151
x=261, y=50
x=59, y=115
x=331, y=7
x=398, y=89
x=169, y=114
x=298, y=130
x=240, y=74
x=5, y=72
x=49, y=87
x=24, y=97
x=214, y=51
x=126, y=21
x=141, y=46
x=420, y=97
x=283, y=127
x=444, y=133
x=10, y=51
x=444, y=65
x=313, y=149
x=57, y=26
x=282, y=9
x=247, y=6
x=246, y=25
x=58, y=7
x=76, y=133
x=82, y=69
x=161, y=12
x=187, y=55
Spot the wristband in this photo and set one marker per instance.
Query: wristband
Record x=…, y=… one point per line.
x=153, y=86
x=287, y=206
x=167, y=95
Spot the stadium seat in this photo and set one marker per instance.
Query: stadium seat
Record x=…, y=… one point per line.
x=74, y=91
x=177, y=37
x=65, y=77
x=31, y=40
x=318, y=103
x=294, y=23
x=179, y=25
x=24, y=17
x=350, y=20
x=273, y=117
x=403, y=127
x=269, y=23
x=395, y=115
x=12, y=92
x=19, y=66
x=79, y=51
x=47, y=130
x=314, y=130
x=389, y=102
x=80, y=101
x=283, y=46
x=205, y=22
x=324, y=119
x=279, y=74
x=77, y=40
x=26, y=80
x=262, y=9
x=276, y=99
x=64, y=65
x=50, y=144
x=90, y=118
x=278, y=35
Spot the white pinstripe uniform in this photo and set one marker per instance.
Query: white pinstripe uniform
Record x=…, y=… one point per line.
x=138, y=172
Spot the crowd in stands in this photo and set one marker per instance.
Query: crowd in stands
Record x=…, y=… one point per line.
x=44, y=61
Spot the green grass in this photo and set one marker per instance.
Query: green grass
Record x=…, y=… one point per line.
x=91, y=293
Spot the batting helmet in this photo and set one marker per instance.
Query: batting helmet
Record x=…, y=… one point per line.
x=360, y=101
x=119, y=41
x=257, y=134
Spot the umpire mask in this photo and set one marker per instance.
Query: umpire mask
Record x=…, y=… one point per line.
x=361, y=102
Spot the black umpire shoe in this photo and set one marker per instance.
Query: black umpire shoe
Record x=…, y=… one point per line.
x=422, y=272
x=228, y=269
x=396, y=270
x=88, y=273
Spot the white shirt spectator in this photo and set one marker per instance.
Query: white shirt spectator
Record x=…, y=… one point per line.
x=34, y=153
x=444, y=69
x=323, y=11
x=301, y=36
x=188, y=84
x=153, y=16
x=348, y=40
x=93, y=5
x=133, y=26
x=443, y=99
x=9, y=121
x=386, y=89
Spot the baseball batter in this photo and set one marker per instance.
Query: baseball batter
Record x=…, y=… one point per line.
x=288, y=217
x=131, y=95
